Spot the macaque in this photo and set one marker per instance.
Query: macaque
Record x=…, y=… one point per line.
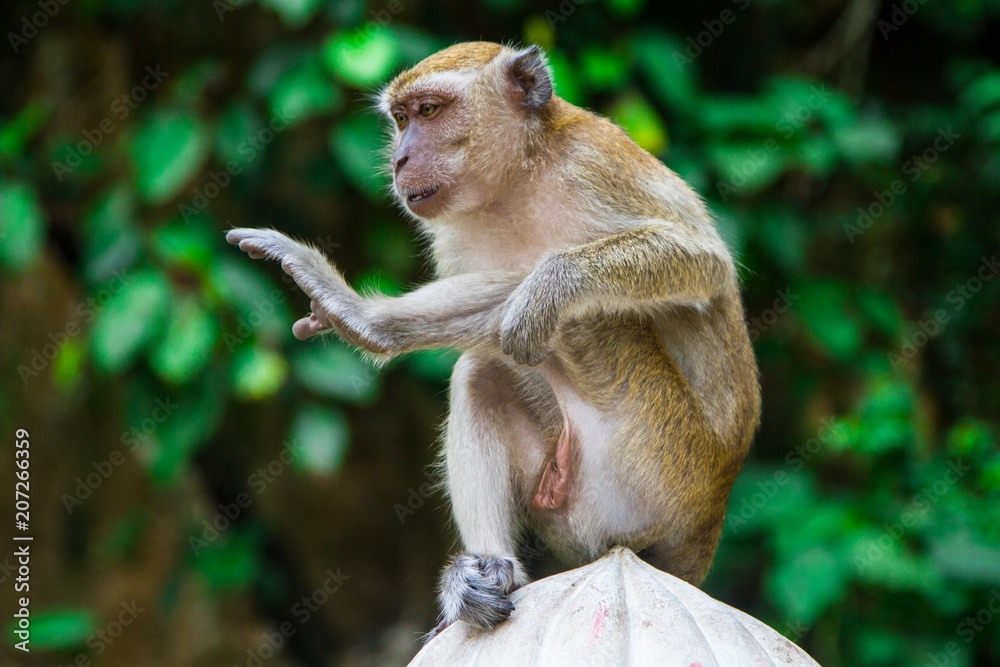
x=607, y=393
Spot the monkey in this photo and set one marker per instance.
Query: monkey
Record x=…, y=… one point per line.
x=607, y=392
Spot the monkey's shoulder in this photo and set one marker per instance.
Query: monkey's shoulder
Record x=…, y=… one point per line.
x=602, y=160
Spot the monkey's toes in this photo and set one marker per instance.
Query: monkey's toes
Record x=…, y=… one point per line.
x=474, y=589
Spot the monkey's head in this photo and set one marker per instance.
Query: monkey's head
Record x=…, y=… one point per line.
x=467, y=121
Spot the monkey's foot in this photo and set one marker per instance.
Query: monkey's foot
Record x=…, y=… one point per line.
x=474, y=589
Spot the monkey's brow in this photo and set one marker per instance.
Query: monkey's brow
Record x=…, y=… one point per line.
x=418, y=91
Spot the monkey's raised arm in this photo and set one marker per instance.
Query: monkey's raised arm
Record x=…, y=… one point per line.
x=643, y=266
x=462, y=311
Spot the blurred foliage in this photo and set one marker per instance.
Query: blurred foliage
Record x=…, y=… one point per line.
x=852, y=159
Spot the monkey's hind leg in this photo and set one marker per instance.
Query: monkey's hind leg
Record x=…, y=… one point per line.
x=489, y=434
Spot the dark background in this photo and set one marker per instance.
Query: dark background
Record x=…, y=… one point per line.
x=848, y=147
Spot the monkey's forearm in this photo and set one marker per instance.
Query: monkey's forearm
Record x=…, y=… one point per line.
x=639, y=267
x=462, y=312
x=646, y=265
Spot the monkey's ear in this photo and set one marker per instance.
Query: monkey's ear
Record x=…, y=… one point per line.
x=531, y=78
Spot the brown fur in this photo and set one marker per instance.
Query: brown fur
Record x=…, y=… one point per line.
x=608, y=392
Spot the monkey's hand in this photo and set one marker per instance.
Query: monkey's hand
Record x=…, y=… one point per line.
x=307, y=266
x=531, y=315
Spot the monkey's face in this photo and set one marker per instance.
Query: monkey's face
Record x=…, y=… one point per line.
x=463, y=118
x=430, y=170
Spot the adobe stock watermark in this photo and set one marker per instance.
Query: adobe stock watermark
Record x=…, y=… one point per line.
x=261, y=312
x=223, y=7
x=380, y=18
x=258, y=481
x=792, y=119
x=563, y=11
x=87, y=310
x=912, y=515
x=31, y=25
x=416, y=497
x=967, y=629
x=714, y=28
x=900, y=14
x=302, y=611
x=123, y=105
x=761, y=323
x=136, y=435
x=934, y=323
x=103, y=638
x=767, y=489
x=248, y=150
x=913, y=169
x=264, y=309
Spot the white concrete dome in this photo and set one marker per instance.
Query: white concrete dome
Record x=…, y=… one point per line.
x=618, y=612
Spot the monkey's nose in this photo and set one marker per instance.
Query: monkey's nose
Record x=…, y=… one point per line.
x=400, y=162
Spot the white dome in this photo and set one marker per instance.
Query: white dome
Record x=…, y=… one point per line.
x=620, y=612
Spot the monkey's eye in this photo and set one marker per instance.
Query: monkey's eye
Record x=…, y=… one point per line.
x=400, y=118
x=427, y=109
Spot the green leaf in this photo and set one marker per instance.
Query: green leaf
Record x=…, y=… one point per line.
x=22, y=225
x=130, y=319
x=824, y=307
x=748, y=166
x=638, y=117
x=68, y=365
x=335, y=371
x=185, y=246
x=362, y=58
x=357, y=143
x=434, y=365
x=232, y=561
x=539, y=31
x=258, y=373
x=983, y=94
x=879, y=559
x=870, y=139
x=112, y=241
x=565, y=79
x=374, y=281
x=56, y=629
x=187, y=346
x=391, y=246
x=304, y=91
x=239, y=123
x=961, y=556
x=320, y=436
x=15, y=134
x=672, y=82
x=294, y=13
x=742, y=115
x=193, y=413
x=168, y=149
x=881, y=310
x=261, y=307
x=604, y=68
x=807, y=584
x=970, y=437
x=782, y=235
x=625, y=8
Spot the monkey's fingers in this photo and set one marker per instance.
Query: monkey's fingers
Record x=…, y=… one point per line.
x=307, y=327
x=258, y=243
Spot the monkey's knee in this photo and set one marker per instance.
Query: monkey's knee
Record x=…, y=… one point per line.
x=475, y=589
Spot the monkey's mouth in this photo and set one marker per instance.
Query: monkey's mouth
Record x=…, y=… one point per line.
x=414, y=196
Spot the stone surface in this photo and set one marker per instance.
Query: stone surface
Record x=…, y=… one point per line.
x=620, y=612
